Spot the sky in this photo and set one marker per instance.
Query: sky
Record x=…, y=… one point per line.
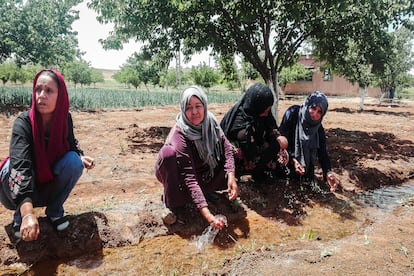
x=90, y=31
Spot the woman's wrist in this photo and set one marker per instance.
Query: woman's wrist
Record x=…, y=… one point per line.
x=231, y=176
x=26, y=209
x=27, y=215
x=208, y=216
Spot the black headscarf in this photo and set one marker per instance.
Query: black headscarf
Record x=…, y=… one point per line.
x=257, y=98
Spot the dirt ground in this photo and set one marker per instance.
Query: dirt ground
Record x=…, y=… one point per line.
x=117, y=205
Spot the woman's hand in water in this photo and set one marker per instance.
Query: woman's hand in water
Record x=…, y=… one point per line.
x=332, y=181
x=215, y=222
x=298, y=167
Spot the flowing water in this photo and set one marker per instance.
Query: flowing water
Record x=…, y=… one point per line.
x=387, y=198
x=175, y=255
x=208, y=235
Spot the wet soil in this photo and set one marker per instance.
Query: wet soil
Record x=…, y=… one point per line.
x=279, y=227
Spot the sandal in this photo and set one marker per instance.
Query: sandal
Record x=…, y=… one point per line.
x=168, y=217
x=60, y=224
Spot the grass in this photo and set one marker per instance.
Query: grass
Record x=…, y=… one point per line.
x=112, y=96
x=87, y=99
x=310, y=235
x=406, y=93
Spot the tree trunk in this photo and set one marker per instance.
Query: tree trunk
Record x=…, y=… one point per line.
x=166, y=80
x=178, y=69
x=362, y=93
x=384, y=91
x=273, y=84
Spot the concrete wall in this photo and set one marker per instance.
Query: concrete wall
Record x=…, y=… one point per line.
x=337, y=86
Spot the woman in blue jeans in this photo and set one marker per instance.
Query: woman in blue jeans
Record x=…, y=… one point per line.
x=45, y=160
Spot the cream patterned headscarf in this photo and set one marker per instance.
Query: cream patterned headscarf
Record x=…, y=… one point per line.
x=207, y=135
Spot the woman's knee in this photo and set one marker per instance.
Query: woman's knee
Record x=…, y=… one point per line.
x=167, y=152
x=166, y=162
x=6, y=198
x=167, y=156
x=71, y=162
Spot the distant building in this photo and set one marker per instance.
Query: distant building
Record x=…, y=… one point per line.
x=325, y=82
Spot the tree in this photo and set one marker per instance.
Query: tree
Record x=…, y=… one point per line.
x=9, y=71
x=7, y=23
x=78, y=72
x=369, y=52
x=228, y=70
x=294, y=73
x=146, y=71
x=267, y=34
x=5, y=72
x=204, y=76
x=169, y=78
x=120, y=76
x=38, y=31
x=96, y=76
x=247, y=74
x=131, y=76
x=128, y=75
x=355, y=66
x=398, y=62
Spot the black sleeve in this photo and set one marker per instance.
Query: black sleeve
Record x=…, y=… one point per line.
x=73, y=143
x=21, y=160
x=287, y=127
x=323, y=155
x=271, y=130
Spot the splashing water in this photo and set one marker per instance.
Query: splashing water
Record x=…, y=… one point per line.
x=208, y=235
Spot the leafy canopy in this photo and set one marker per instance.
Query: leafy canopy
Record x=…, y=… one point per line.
x=268, y=34
x=38, y=31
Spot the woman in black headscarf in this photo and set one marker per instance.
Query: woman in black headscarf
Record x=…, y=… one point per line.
x=250, y=126
x=302, y=125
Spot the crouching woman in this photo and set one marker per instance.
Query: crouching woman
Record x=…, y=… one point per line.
x=45, y=161
x=196, y=159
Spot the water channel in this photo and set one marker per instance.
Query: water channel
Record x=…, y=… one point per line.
x=175, y=255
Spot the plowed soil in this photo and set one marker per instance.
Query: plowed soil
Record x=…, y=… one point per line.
x=297, y=229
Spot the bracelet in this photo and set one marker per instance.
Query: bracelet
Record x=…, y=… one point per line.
x=25, y=216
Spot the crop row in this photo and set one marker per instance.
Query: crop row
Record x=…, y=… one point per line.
x=91, y=99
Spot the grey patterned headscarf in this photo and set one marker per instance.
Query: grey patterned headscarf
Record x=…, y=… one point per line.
x=306, y=137
x=207, y=135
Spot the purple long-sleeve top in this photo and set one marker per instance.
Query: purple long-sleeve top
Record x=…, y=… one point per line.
x=193, y=172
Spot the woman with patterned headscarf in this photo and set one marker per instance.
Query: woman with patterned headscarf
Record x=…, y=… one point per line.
x=196, y=159
x=251, y=128
x=302, y=125
x=45, y=160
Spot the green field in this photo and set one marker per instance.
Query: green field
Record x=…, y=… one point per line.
x=98, y=98
x=112, y=95
x=406, y=93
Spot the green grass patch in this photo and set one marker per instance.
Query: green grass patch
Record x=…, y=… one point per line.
x=406, y=93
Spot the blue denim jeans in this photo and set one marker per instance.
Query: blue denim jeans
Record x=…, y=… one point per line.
x=67, y=172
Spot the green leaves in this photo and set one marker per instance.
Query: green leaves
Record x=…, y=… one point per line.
x=267, y=34
x=38, y=31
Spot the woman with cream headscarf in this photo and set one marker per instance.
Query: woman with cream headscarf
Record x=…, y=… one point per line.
x=302, y=125
x=196, y=158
